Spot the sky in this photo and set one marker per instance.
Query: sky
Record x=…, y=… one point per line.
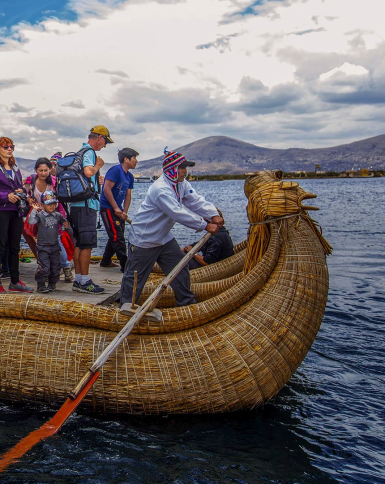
x=274, y=73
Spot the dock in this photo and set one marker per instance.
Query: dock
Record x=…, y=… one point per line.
x=107, y=277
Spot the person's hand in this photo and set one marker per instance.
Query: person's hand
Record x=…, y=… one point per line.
x=101, y=180
x=66, y=224
x=19, y=190
x=13, y=198
x=199, y=258
x=119, y=213
x=99, y=162
x=218, y=220
x=212, y=228
x=186, y=249
x=33, y=203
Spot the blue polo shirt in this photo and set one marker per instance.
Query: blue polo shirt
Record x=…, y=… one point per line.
x=123, y=182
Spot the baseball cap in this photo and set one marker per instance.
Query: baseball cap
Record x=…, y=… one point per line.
x=48, y=197
x=100, y=129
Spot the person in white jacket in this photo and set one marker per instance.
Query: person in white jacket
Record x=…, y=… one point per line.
x=169, y=200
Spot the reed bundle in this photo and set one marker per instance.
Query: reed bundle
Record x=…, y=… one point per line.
x=269, y=199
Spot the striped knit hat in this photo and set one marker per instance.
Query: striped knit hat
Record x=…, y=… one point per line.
x=57, y=156
x=171, y=161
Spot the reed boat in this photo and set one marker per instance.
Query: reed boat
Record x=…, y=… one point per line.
x=257, y=315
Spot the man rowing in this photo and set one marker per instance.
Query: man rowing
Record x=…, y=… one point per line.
x=169, y=200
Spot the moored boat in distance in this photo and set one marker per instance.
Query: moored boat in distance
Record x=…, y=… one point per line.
x=144, y=179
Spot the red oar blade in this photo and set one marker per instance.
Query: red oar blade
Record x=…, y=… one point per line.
x=47, y=429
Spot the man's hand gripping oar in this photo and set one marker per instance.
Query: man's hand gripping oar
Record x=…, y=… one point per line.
x=86, y=383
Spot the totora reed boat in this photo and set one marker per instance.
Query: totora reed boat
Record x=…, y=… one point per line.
x=257, y=315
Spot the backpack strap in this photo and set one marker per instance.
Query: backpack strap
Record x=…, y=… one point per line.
x=97, y=174
x=33, y=185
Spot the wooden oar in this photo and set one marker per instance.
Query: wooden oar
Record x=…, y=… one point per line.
x=85, y=384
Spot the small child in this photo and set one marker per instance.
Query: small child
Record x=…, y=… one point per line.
x=47, y=246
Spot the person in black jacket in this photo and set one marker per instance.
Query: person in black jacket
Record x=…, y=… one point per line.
x=217, y=248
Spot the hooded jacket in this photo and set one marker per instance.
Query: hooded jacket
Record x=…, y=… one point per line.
x=6, y=187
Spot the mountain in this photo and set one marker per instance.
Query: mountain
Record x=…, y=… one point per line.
x=27, y=166
x=224, y=155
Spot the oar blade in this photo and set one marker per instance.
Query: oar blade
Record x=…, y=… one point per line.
x=47, y=429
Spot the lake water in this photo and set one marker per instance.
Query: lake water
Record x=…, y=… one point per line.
x=327, y=425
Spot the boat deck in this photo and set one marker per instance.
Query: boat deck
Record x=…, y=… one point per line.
x=107, y=277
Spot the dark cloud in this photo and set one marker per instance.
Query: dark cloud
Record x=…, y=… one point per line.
x=364, y=96
x=222, y=44
x=147, y=104
x=17, y=108
x=309, y=31
x=113, y=73
x=78, y=126
x=74, y=104
x=9, y=83
x=258, y=99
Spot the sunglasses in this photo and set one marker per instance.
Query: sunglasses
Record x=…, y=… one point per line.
x=7, y=147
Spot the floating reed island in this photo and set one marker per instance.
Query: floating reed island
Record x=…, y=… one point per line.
x=257, y=315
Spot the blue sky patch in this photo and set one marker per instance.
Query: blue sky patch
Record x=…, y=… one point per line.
x=14, y=12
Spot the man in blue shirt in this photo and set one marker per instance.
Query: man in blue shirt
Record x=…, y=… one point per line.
x=83, y=214
x=114, y=204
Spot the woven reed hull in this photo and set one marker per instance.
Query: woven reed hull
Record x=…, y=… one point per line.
x=239, y=360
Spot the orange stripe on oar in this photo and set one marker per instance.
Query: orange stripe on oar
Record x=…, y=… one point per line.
x=47, y=429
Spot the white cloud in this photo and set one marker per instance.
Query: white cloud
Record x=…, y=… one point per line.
x=180, y=70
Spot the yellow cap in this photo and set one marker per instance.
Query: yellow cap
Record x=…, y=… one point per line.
x=100, y=129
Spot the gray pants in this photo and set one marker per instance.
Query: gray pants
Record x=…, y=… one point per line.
x=48, y=259
x=143, y=260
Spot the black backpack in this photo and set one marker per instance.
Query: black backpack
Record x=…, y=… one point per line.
x=71, y=183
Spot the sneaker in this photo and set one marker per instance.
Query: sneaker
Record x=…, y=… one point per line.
x=111, y=264
x=76, y=286
x=5, y=275
x=42, y=288
x=90, y=288
x=19, y=287
x=2, y=290
x=51, y=287
x=68, y=277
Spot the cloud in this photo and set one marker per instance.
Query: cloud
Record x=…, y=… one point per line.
x=16, y=108
x=222, y=44
x=257, y=98
x=74, y=104
x=149, y=104
x=112, y=73
x=10, y=83
x=267, y=72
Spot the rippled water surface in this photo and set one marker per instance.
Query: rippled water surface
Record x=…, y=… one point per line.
x=326, y=425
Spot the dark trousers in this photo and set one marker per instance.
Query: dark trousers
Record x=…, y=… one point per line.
x=143, y=260
x=11, y=226
x=48, y=260
x=116, y=243
x=4, y=260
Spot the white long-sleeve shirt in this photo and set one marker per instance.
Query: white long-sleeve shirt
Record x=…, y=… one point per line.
x=161, y=209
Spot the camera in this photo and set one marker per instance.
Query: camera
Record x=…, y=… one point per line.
x=22, y=205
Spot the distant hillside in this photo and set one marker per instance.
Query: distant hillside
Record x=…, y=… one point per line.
x=220, y=154
x=27, y=166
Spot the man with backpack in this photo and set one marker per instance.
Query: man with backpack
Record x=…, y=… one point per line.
x=83, y=214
